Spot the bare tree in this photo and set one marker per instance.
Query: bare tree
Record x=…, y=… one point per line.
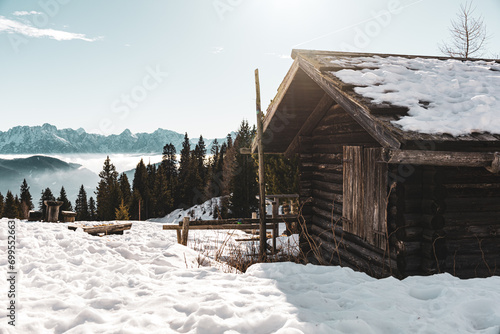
x=468, y=34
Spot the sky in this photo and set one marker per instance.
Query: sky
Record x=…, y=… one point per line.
x=188, y=66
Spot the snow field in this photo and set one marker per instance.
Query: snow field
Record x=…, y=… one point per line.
x=144, y=282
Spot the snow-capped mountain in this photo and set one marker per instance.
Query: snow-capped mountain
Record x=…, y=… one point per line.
x=49, y=139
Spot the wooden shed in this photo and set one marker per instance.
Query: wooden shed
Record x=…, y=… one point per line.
x=379, y=197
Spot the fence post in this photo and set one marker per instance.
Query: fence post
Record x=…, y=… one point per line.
x=185, y=230
x=275, y=212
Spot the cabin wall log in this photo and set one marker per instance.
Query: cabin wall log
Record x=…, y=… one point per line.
x=341, y=248
x=453, y=213
x=472, y=221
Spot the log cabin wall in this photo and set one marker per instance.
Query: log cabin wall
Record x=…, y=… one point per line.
x=321, y=189
x=445, y=219
x=471, y=231
x=405, y=217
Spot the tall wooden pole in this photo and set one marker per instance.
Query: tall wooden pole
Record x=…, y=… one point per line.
x=262, y=187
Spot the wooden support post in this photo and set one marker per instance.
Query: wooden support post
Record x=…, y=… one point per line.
x=179, y=237
x=276, y=206
x=262, y=190
x=185, y=230
x=52, y=211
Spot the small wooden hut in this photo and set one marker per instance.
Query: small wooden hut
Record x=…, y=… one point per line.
x=376, y=197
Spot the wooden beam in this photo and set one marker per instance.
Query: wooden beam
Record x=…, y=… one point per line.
x=322, y=53
x=239, y=221
x=312, y=121
x=360, y=113
x=262, y=182
x=221, y=227
x=442, y=158
x=283, y=196
x=245, y=150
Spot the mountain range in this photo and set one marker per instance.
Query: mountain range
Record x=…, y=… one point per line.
x=41, y=172
x=47, y=139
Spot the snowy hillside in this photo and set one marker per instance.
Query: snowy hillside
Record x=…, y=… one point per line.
x=48, y=139
x=144, y=282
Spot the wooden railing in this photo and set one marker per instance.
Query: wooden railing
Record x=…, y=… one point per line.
x=272, y=222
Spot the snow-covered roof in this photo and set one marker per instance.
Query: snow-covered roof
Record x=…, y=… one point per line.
x=443, y=96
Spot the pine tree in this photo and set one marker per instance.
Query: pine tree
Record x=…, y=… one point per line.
x=150, y=207
x=200, y=153
x=229, y=141
x=163, y=193
x=220, y=159
x=169, y=166
x=185, y=189
x=10, y=209
x=121, y=213
x=194, y=183
x=125, y=190
x=140, y=193
x=81, y=205
x=92, y=209
x=26, y=200
x=108, y=192
x=136, y=205
x=66, y=205
x=214, y=151
x=244, y=186
x=229, y=169
x=46, y=196
x=1, y=205
x=17, y=203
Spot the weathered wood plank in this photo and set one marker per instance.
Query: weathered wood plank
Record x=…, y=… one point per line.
x=106, y=229
x=353, y=138
x=280, y=219
x=439, y=158
x=473, y=204
x=220, y=227
x=327, y=186
x=327, y=177
x=328, y=196
x=353, y=190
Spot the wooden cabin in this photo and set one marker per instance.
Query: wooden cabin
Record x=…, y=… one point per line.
x=377, y=197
